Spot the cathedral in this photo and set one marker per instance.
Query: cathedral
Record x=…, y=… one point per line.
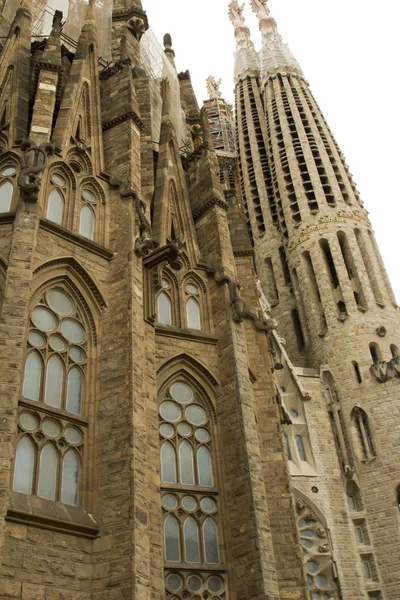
x=199, y=343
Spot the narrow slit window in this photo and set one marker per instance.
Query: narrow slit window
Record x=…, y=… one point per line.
x=357, y=371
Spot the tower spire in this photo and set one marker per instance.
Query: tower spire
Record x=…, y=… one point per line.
x=275, y=55
x=246, y=57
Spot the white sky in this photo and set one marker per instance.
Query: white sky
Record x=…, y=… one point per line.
x=349, y=51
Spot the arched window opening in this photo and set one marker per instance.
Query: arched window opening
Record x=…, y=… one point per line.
x=364, y=434
x=188, y=487
x=86, y=223
x=357, y=371
x=193, y=302
x=55, y=207
x=191, y=540
x=24, y=465
x=394, y=350
x=48, y=467
x=70, y=478
x=6, y=194
x=58, y=189
x=164, y=308
x=375, y=352
x=171, y=539
x=33, y=376
x=54, y=376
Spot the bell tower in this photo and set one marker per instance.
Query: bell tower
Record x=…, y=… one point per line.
x=319, y=263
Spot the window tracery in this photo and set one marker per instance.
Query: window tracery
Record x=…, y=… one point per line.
x=317, y=554
x=8, y=177
x=51, y=424
x=189, y=496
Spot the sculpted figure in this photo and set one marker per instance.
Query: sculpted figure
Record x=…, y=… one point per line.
x=34, y=163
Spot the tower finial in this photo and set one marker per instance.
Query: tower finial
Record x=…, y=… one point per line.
x=275, y=55
x=246, y=57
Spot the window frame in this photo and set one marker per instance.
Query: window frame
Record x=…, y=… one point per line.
x=178, y=491
x=60, y=415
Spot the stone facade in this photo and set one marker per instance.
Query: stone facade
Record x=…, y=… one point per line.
x=133, y=326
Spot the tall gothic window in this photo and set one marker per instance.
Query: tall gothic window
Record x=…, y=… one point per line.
x=51, y=423
x=56, y=198
x=192, y=302
x=189, y=496
x=8, y=175
x=164, y=303
x=87, y=219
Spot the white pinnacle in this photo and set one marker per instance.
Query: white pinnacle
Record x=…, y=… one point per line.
x=275, y=55
x=246, y=57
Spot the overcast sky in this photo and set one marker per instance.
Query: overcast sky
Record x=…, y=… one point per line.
x=348, y=50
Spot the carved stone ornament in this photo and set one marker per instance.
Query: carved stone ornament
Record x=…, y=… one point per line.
x=381, y=331
x=34, y=162
x=321, y=533
x=137, y=28
x=324, y=548
x=381, y=370
x=310, y=517
x=300, y=505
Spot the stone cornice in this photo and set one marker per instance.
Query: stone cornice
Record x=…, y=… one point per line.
x=208, y=205
x=51, y=515
x=187, y=334
x=77, y=239
x=127, y=116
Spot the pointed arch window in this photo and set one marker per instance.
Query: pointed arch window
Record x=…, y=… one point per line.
x=192, y=301
x=189, y=492
x=51, y=424
x=87, y=217
x=164, y=303
x=8, y=176
x=56, y=199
